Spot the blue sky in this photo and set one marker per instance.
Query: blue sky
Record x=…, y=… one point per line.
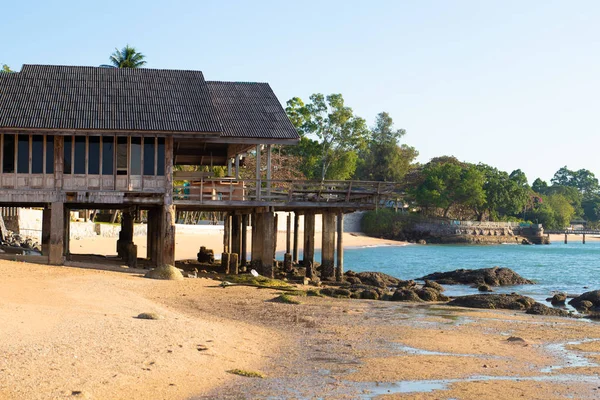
x=513, y=84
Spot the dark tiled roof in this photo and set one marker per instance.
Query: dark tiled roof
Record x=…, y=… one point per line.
x=250, y=110
x=63, y=97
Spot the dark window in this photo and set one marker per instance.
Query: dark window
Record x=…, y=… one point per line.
x=49, y=154
x=68, y=155
x=149, y=156
x=94, y=155
x=9, y=154
x=160, y=157
x=23, y=155
x=108, y=155
x=121, y=155
x=136, y=156
x=79, y=155
x=37, y=154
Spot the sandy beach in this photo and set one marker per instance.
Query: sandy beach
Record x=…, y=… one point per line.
x=187, y=244
x=73, y=333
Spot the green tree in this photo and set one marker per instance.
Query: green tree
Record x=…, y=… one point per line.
x=584, y=180
x=505, y=195
x=383, y=159
x=449, y=184
x=127, y=57
x=539, y=186
x=6, y=68
x=336, y=128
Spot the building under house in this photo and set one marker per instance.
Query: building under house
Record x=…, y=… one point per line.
x=101, y=138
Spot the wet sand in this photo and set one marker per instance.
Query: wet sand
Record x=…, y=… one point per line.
x=72, y=333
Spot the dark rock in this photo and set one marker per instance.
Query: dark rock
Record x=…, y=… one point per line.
x=378, y=279
x=433, y=285
x=587, y=300
x=406, y=284
x=353, y=280
x=369, y=294
x=558, y=299
x=206, y=255
x=406, y=295
x=491, y=276
x=494, y=301
x=421, y=241
x=540, y=309
x=484, y=288
x=355, y=295
x=427, y=294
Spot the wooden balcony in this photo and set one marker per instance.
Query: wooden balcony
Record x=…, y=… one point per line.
x=223, y=193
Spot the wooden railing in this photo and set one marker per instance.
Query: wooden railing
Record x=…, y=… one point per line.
x=213, y=190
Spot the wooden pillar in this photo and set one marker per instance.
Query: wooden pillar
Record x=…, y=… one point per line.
x=153, y=236
x=46, y=230
x=256, y=239
x=328, y=247
x=268, y=243
x=244, y=248
x=258, y=175
x=565, y=238
x=309, y=244
x=236, y=234
x=269, y=171
x=275, y=230
x=227, y=233
x=296, y=228
x=57, y=234
x=167, y=248
x=288, y=234
x=583, y=239
x=237, y=166
x=67, y=233
x=339, y=270
x=229, y=168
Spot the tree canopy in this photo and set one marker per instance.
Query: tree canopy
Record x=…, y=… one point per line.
x=127, y=57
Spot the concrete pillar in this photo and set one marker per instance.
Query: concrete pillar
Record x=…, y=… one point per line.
x=57, y=234
x=244, y=249
x=268, y=243
x=309, y=244
x=67, y=233
x=153, y=236
x=328, y=247
x=236, y=234
x=227, y=233
x=234, y=263
x=126, y=233
x=46, y=230
x=296, y=228
x=225, y=259
x=339, y=270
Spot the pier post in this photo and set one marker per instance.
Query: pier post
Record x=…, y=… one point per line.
x=328, y=247
x=57, y=234
x=275, y=230
x=268, y=243
x=244, y=250
x=584, y=238
x=46, y=230
x=309, y=244
x=565, y=238
x=296, y=228
x=339, y=271
x=236, y=234
x=288, y=233
x=256, y=239
x=167, y=220
x=153, y=237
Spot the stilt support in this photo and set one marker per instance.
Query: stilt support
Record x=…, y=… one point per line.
x=309, y=244
x=328, y=247
x=339, y=270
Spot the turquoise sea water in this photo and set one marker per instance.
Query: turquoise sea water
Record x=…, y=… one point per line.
x=555, y=267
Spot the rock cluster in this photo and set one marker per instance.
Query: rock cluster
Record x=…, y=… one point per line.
x=511, y=301
x=206, y=255
x=587, y=302
x=165, y=272
x=16, y=240
x=495, y=276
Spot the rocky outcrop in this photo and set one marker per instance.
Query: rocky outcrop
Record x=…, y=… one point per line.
x=558, y=299
x=418, y=294
x=495, y=276
x=511, y=301
x=588, y=301
x=377, y=279
x=541, y=309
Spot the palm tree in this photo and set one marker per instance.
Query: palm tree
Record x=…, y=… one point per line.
x=127, y=57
